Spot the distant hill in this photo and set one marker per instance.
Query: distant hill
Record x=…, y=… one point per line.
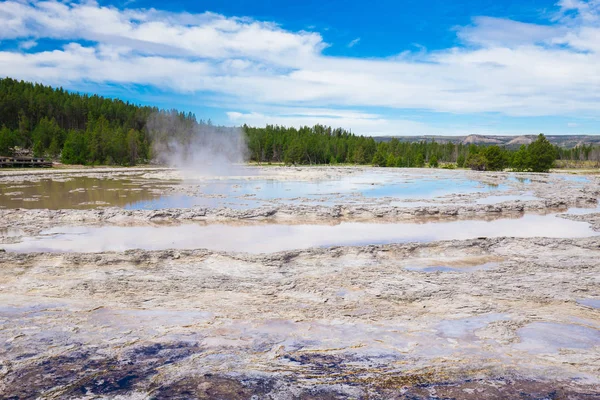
x=566, y=141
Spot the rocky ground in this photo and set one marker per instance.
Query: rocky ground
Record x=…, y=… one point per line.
x=376, y=321
x=473, y=319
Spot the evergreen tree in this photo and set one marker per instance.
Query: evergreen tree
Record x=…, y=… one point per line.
x=476, y=162
x=433, y=161
x=8, y=141
x=541, y=155
x=495, y=158
x=520, y=159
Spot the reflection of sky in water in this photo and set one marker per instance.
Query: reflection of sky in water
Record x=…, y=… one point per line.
x=584, y=210
x=443, y=268
x=249, y=193
x=367, y=184
x=576, y=178
x=515, y=177
x=549, y=337
x=274, y=237
x=238, y=193
x=595, y=303
x=459, y=328
x=429, y=188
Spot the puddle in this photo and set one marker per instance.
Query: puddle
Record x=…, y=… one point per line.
x=594, y=303
x=466, y=327
x=576, y=178
x=444, y=268
x=275, y=237
x=549, y=337
x=583, y=211
x=429, y=187
x=73, y=193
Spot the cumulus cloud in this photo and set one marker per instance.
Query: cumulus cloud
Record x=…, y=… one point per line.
x=358, y=122
x=502, y=66
x=152, y=31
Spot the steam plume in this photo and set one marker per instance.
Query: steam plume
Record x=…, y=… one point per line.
x=196, y=148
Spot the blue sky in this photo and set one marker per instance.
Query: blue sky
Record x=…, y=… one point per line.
x=378, y=68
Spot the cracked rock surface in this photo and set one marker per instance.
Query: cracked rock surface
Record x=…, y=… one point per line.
x=486, y=318
x=342, y=322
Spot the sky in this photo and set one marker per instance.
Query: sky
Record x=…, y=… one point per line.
x=376, y=68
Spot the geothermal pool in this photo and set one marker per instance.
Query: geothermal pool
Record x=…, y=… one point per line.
x=264, y=238
x=151, y=192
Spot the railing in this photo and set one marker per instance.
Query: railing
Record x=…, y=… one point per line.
x=24, y=162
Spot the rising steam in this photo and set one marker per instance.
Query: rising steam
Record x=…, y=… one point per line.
x=196, y=148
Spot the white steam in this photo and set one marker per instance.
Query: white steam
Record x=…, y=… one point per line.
x=196, y=148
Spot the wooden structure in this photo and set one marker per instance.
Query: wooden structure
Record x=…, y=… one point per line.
x=24, y=162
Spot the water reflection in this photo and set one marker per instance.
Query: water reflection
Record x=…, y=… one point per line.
x=446, y=268
x=549, y=337
x=403, y=188
x=272, y=238
x=137, y=193
x=77, y=192
x=594, y=303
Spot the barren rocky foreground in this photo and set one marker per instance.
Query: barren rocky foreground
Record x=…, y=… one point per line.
x=472, y=319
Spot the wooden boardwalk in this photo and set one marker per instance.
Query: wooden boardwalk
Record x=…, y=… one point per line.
x=24, y=162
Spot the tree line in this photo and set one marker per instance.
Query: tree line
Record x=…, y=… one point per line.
x=324, y=145
x=89, y=129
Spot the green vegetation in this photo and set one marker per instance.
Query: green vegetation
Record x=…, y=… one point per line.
x=77, y=128
x=82, y=129
x=324, y=145
x=433, y=161
x=539, y=156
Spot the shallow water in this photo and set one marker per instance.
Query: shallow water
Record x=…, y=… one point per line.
x=445, y=268
x=275, y=237
x=594, y=303
x=576, y=178
x=465, y=327
x=134, y=192
x=583, y=211
x=77, y=192
x=549, y=337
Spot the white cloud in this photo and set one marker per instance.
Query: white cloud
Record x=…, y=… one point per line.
x=505, y=66
x=358, y=122
x=150, y=31
x=353, y=42
x=27, y=44
x=585, y=10
x=488, y=31
x=361, y=123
